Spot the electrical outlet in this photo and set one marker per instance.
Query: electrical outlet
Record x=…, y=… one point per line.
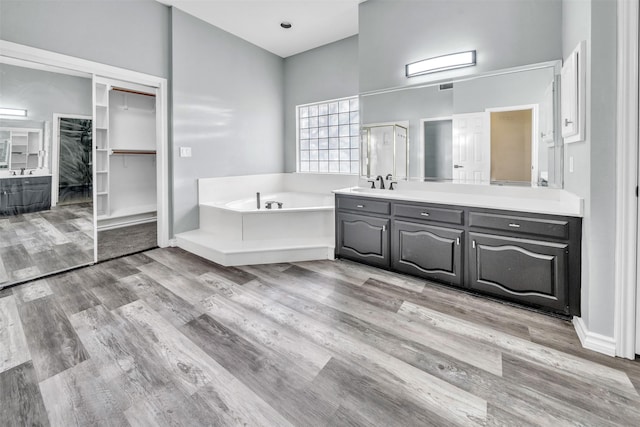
x=185, y=151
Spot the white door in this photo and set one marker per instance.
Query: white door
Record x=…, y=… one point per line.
x=471, y=148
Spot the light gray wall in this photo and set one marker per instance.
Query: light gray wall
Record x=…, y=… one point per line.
x=576, y=26
x=227, y=106
x=505, y=33
x=601, y=233
x=594, y=175
x=127, y=34
x=42, y=94
x=327, y=72
x=505, y=90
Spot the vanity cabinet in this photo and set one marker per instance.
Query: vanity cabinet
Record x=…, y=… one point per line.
x=524, y=270
x=363, y=238
x=532, y=259
x=25, y=195
x=427, y=251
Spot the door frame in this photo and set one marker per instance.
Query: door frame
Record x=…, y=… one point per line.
x=534, y=133
x=55, y=153
x=27, y=53
x=421, y=153
x=626, y=330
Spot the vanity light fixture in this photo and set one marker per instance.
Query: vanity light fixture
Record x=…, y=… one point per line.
x=13, y=112
x=441, y=63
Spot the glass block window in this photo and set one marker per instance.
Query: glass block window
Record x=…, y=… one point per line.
x=329, y=136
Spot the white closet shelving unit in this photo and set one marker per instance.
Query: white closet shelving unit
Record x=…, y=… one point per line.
x=125, y=151
x=101, y=147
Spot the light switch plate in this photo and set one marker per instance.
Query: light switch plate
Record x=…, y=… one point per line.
x=185, y=151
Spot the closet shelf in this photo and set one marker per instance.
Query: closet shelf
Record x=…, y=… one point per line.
x=123, y=151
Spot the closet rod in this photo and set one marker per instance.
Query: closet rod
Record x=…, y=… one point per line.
x=133, y=151
x=120, y=89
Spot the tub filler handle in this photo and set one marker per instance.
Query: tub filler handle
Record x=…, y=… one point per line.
x=270, y=203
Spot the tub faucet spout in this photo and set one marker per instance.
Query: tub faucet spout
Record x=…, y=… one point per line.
x=258, y=199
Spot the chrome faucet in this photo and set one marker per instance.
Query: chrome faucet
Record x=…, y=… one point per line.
x=390, y=178
x=271, y=202
x=381, y=180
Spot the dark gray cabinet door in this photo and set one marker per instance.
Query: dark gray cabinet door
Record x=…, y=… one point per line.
x=24, y=195
x=427, y=251
x=528, y=271
x=363, y=238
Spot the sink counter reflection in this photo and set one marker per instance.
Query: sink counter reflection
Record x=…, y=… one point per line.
x=521, y=199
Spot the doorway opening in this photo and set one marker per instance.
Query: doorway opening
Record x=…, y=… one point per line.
x=74, y=169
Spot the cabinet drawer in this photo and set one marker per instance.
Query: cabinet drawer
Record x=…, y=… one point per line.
x=451, y=216
x=538, y=226
x=364, y=205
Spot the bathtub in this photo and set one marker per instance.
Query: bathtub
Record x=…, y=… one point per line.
x=233, y=231
x=302, y=216
x=290, y=202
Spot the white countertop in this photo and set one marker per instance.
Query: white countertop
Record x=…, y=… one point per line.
x=23, y=176
x=540, y=200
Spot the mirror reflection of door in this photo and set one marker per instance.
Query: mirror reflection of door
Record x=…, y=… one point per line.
x=75, y=177
x=471, y=149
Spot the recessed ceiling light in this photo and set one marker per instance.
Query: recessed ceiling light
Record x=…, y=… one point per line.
x=286, y=25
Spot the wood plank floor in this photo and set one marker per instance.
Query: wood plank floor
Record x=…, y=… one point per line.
x=167, y=338
x=127, y=240
x=40, y=243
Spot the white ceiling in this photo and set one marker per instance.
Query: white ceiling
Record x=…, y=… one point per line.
x=315, y=22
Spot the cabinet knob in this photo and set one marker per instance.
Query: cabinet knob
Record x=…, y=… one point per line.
x=473, y=244
x=360, y=206
x=458, y=241
x=424, y=213
x=384, y=228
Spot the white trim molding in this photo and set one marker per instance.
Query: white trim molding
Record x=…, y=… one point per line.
x=594, y=341
x=626, y=273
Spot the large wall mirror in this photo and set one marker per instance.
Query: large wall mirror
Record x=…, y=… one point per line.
x=46, y=208
x=496, y=128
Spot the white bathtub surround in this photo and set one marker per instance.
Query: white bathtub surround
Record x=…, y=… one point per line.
x=524, y=199
x=234, y=232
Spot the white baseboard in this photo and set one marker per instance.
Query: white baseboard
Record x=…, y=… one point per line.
x=594, y=341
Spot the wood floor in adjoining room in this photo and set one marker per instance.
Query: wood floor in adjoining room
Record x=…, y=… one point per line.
x=167, y=338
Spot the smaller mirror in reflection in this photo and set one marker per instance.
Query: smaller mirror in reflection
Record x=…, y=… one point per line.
x=385, y=147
